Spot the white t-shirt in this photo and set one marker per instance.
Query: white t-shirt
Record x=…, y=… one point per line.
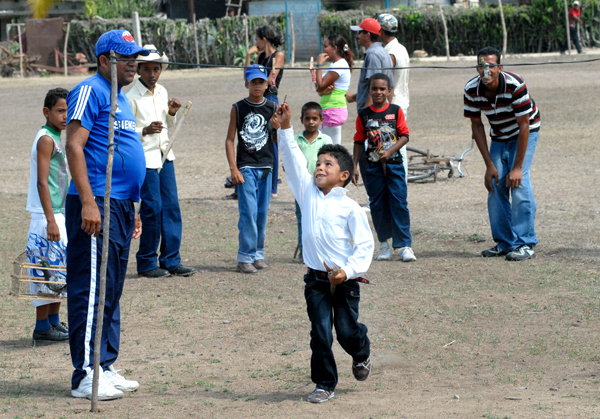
x=396, y=49
x=342, y=68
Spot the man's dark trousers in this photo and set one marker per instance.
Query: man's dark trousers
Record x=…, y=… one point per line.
x=84, y=257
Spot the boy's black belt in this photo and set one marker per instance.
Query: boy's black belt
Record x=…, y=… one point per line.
x=325, y=276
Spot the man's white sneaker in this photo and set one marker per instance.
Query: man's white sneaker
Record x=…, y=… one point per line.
x=385, y=253
x=105, y=390
x=118, y=381
x=407, y=254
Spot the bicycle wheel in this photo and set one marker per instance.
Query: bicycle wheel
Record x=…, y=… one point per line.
x=421, y=171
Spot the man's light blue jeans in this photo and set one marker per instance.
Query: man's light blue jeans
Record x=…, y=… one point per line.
x=254, y=196
x=513, y=225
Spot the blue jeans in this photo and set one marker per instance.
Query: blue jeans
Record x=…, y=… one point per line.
x=512, y=225
x=341, y=312
x=275, y=153
x=161, y=220
x=254, y=196
x=299, y=219
x=389, y=208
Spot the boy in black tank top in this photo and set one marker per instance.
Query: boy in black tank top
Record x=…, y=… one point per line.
x=251, y=169
x=384, y=128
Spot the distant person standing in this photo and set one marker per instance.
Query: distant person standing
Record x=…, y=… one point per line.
x=401, y=62
x=377, y=60
x=267, y=42
x=574, y=16
x=514, y=128
x=333, y=84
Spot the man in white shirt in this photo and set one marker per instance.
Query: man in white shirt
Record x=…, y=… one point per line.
x=159, y=211
x=401, y=62
x=337, y=249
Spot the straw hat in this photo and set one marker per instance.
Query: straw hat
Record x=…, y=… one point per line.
x=154, y=56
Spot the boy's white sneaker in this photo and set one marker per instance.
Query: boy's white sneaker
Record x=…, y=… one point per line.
x=118, y=381
x=385, y=252
x=106, y=391
x=407, y=254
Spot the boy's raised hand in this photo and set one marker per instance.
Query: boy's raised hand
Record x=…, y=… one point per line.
x=284, y=115
x=174, y=105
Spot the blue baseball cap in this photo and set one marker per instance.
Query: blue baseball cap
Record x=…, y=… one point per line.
x=121, y=41
x=256, y=71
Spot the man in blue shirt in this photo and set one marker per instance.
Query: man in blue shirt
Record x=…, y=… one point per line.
x=87, y=153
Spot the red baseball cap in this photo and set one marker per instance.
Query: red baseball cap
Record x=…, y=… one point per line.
x=369, y=25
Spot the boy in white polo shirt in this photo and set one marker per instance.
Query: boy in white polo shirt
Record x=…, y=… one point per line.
x=337, y=249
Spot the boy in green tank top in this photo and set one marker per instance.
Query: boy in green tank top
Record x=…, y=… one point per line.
x=47, y=239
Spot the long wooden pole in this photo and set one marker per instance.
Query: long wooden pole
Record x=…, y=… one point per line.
x=445, y=34
x=567, y=26
x=105, y=230
x=504, y=34
x=65, y=47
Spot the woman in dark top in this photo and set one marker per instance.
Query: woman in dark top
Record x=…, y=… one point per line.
x=266, y=43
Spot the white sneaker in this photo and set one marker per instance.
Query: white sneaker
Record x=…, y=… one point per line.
x=105, y=390
x=407, y=254
x=118, y=381
x=385, y=253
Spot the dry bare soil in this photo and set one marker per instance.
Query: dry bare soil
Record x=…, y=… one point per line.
x=219, y=344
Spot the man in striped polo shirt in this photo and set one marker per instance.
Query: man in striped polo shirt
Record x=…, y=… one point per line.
x=514, y=127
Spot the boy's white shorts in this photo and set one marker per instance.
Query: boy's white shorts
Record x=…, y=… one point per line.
x=55, y=251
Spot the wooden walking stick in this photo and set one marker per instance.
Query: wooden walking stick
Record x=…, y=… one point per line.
x=177, y=127
x=105, y=230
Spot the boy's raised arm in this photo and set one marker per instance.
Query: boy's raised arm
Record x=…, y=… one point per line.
x=293, y=160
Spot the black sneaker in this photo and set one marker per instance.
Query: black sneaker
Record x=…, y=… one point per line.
x=61, y=327
x=320, y=395
x=523, y=252
x=155, y=273
x=362, y=370
x=494, y=252
x=183, y=271
x=52, y=334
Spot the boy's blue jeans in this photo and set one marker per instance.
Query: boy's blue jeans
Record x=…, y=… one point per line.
x=340, y=311
x=161, y=220
x=389, y=208
x=254, y=196
x=512, y=225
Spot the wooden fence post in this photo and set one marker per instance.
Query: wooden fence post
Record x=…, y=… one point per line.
x=445, y=34
x=196, y=39
x=567, y=26
x=293, y=38
x=65, y=47
x=504, y=35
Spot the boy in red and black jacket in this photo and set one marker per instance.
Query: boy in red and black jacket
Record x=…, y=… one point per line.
x=384, y=128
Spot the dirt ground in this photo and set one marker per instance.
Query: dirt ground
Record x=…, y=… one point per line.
x=453, y=335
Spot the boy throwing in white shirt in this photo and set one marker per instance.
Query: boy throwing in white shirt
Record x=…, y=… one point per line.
x=337, y=249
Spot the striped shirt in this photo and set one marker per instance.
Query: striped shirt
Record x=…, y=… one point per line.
x=511, y=101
